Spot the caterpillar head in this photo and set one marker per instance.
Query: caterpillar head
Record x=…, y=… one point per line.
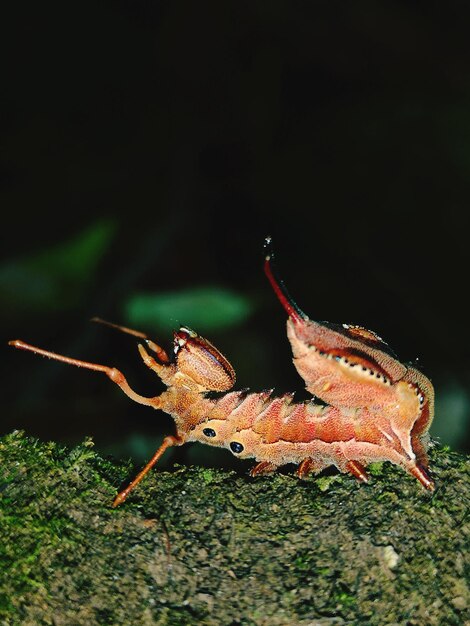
x=198, y=361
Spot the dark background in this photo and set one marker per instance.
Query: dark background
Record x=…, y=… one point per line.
x=149, y=147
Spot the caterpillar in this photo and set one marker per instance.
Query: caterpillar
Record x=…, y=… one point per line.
x=376, y=408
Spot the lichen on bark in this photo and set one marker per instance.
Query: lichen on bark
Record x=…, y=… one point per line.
x=206, y=546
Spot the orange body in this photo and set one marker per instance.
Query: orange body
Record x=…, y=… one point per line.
x=278, y=431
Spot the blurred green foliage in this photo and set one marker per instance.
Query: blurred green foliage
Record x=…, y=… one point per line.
x=204, y=308
x=55, y=277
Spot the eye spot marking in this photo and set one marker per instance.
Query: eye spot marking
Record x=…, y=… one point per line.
x=209, y=432
x=236, y=447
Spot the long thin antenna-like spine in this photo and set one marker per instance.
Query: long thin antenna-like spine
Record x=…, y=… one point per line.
x=292, y=309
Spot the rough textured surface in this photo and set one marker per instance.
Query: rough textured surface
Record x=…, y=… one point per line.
x=198, y=545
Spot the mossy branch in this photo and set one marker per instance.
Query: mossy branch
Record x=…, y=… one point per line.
x=204, y=546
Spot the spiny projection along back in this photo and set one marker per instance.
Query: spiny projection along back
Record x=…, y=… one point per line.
x=377, y=409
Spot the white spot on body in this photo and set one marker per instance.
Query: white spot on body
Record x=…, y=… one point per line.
x=345, y=362
x=190, y=332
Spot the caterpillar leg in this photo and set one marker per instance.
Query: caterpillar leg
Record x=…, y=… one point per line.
x=264, y=467
x=358, y=470
x=305, y=468
x=353, y=467
x=419, y=449
x=421, y=474
x=309, y=466
x=167, y=443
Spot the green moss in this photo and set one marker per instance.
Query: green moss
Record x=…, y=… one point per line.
x=199, y=545
x=375, y=469
x=323, y=483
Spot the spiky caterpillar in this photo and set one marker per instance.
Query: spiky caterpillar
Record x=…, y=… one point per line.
x=377, y=408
